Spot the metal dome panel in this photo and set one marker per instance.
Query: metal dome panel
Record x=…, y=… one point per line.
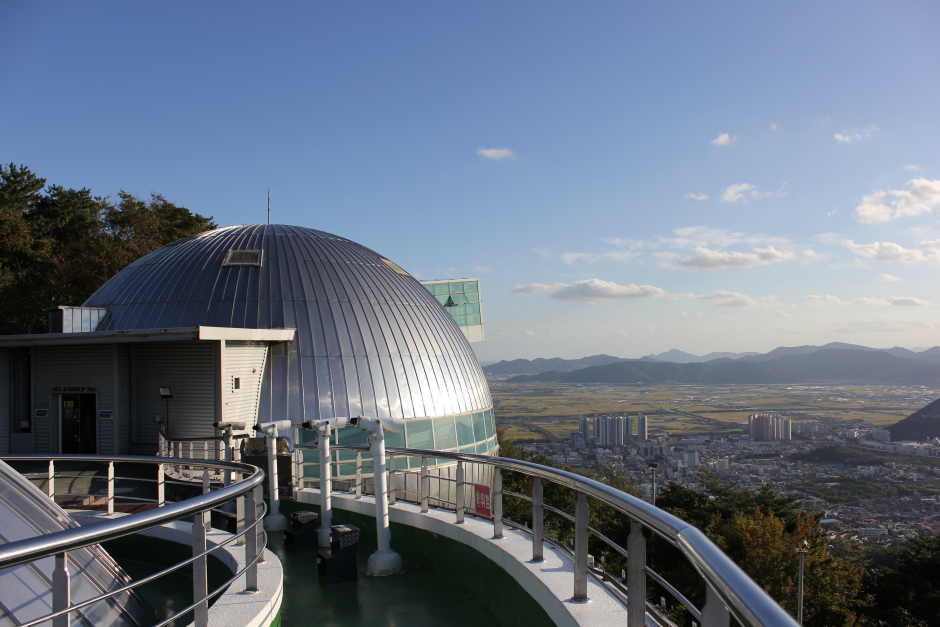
x=370, y=339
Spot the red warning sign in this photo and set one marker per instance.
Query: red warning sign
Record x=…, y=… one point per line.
x=481, y=500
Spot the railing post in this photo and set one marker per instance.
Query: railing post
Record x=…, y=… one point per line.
x=110, y=488
x=714, y=614
x=259, y=509
x=250, y=516
x=391, y=479
x=326, y=486
x=636, y=576
x=537, y=520
x=190, y=449
x=425, y=487
x=497, y=504
x=200, y=583
x=460, y=493
x=205, y=490
x=239, y=516
x=50, y=487
x=358, y=474
x=61, y=592
x=581, y=548
x=161, y=483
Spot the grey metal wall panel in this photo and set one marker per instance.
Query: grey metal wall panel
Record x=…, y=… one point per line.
x=187, y=369
x=89, y=366
x=6, y=406
x=125, y=399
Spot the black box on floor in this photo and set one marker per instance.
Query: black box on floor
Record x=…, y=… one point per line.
x=303, y=530
x=338, y=564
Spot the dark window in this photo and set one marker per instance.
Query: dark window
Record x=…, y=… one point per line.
x=238, y=383
x=243, y=258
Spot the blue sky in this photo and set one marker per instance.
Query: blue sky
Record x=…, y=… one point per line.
x=624, y=178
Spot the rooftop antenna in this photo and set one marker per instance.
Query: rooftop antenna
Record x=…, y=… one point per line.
x=269, y=205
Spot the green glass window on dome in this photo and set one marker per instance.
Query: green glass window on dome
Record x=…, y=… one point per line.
x=473, y=298
x=479, y=427
x=470, y=286
x=465, y=430
x=488, y=422
x=473, y=319
x=445, y=434
x=418, y=434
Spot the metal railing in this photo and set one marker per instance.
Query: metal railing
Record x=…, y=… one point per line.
x=245, y=490
x=729, y=591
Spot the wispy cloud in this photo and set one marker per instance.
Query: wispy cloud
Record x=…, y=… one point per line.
x=591, y=290
x=773, y=127
x=496, y=154
x=610, y=255
x=913, y=167
x=702, y=196
x=887, y=278
x=887, y=251
x=891, y=204
x=725, y=139
x=816, y=300
x=709, y=259
x=856, y=134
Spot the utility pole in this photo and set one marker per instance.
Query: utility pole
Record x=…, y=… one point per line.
x=653, y=467
x=802, y=551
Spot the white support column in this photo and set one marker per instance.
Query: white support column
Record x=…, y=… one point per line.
x=384, y=561
x=200, y=573
x=326, y=486
x=110, y=488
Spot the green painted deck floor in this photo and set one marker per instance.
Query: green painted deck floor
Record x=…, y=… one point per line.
x=417, y=598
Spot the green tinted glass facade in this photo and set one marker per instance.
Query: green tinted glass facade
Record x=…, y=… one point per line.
x=468, y=433
x=461, y=299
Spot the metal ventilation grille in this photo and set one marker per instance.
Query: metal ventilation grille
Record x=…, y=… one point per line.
x=243, y=258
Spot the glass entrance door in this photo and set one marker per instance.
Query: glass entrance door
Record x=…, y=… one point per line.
x=79, y=426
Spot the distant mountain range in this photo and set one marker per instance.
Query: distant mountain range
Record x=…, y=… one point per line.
x=827, y=365
x=836, y=362
x=920, y=426
x=930, y=356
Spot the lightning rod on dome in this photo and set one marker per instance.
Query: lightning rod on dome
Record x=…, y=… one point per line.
x=269, y=205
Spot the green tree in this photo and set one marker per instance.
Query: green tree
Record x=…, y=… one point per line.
x=909, y=593
x=57, y=245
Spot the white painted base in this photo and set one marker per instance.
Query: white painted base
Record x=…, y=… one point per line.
x=275, y=522
x=384, y=564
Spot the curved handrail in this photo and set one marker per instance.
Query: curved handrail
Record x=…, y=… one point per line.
x=749, y=603
x=23, y=551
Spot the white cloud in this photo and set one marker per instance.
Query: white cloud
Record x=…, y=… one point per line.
x=887, y=278
x=708, y=259
x=828, y=238
x=932, y=247
x=482, y=269
x=832, y=213
x=896, y=301
x=816, y=300
x=782, y=314
x=913, y=167
x=886, y=251
x=496, y=154
x=591, y=290
x=733, y=299
x=723, y=140
x=686, y=314
x=855, y=134
x=611, y=255
x=734, y=193
x=702, y=196
x=773, y=127
x=891, y=204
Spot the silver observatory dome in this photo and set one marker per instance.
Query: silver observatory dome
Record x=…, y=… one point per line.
x=370, y=339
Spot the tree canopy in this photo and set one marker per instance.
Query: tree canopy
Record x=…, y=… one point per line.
x=57, y=245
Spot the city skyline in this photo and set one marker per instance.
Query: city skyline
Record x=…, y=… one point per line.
x=623, y=180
